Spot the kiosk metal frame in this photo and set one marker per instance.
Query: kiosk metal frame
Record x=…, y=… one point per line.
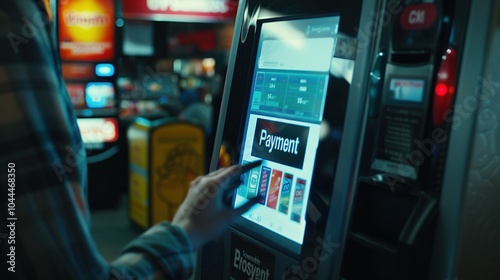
x=288, y=265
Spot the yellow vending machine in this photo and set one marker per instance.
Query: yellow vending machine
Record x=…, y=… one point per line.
x=164, y=157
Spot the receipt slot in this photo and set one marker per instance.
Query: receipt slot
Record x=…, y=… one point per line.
x=392, y=221
x=289, y=101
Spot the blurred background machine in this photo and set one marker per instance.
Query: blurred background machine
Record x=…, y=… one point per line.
x=87, y=44
x=129, y=59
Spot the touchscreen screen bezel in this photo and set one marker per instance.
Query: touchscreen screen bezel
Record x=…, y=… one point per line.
x=260, y=232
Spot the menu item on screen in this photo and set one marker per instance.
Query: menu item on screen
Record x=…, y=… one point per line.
x=274, y=189
x=298, y=200
x=280, y=142
x=284, y=203
x=264, y=182
x=250, y=180
x=287, y=100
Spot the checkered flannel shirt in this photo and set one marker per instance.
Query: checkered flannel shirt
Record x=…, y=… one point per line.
x=39, y=135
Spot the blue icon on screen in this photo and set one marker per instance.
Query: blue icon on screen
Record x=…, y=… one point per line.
x=104, y=70
x=99, y=95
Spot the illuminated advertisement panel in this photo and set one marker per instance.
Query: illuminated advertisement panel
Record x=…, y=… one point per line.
x=76, y=93
x=78, y=71
x=180, y=10
x=100, y=95
x=86, y=30
x=98, y=130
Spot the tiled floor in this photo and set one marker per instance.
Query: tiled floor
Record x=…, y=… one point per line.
x=111, y=229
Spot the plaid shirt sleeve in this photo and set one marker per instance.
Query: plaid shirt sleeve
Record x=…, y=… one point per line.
x=39, y=135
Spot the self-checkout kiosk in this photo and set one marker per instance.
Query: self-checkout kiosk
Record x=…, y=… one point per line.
x=294, y=70
x=350, y=105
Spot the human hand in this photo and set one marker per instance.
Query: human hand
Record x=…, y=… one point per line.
x=203, y=214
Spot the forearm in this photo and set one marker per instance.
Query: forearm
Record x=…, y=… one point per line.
x=40, y=136
x=162, y=252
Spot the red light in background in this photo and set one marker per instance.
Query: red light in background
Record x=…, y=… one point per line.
x=444, y=90
x=441, y=89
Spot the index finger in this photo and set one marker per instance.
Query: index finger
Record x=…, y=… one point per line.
x=234, y=171
x=249, y=166
x=236, y=181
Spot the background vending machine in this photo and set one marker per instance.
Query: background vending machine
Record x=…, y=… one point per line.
x=398, y=191
x=411, y=215
x=86, y=36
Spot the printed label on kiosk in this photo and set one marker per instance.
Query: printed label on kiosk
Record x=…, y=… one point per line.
x=250, y=262
x=282, y=128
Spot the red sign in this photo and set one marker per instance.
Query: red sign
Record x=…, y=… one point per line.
x=78, y=71
x=419, y=16
x=76, y=94
x=98, y=130
x=180, y=10
x=86, y=30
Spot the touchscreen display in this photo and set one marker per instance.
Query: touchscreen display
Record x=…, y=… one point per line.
x=282, y=128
